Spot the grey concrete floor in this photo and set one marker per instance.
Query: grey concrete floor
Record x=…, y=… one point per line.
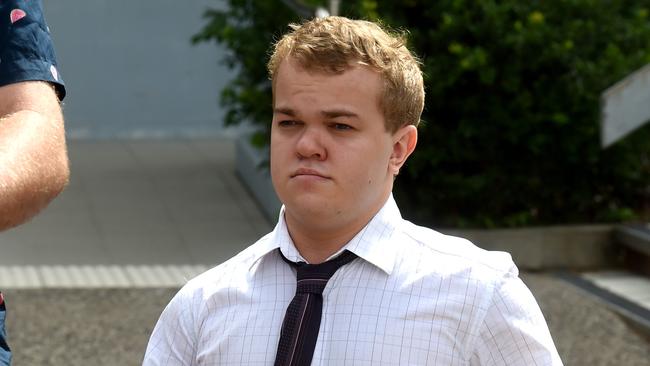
x=141, y=202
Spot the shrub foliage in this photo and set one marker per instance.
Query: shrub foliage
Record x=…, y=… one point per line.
x=510, y=133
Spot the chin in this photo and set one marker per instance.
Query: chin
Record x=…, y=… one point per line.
x=313, y=206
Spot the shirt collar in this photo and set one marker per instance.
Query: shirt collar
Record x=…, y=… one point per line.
x=372, y=243
x=278, y=238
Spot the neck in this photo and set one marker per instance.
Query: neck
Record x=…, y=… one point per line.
x=318, y=238
x=316, y=246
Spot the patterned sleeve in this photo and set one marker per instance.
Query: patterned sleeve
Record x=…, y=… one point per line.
x=173, y=340
x=514, y=331
x=26, y=50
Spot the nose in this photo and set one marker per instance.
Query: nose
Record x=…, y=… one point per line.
x=310, y=145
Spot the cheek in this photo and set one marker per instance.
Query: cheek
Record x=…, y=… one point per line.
x=277, y=157
x=277, y=148
x=364, y=170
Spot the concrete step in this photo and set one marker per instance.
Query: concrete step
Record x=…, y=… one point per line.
x=635, y=237
x=625, y=292
x=634, y=241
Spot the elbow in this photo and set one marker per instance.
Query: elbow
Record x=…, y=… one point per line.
x=54, y=176
x=55, y=183
x=61, y=177
x=25, y=198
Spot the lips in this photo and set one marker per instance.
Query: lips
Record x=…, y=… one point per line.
x=308, y=172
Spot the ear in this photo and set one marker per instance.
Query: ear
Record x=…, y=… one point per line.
x=404, y=141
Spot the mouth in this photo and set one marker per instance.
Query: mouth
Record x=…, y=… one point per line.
x=308, y=172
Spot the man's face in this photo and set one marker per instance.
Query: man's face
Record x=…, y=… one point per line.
x=330, y=151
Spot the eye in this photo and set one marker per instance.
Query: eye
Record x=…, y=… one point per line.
x=341, y=126
x=287, y=123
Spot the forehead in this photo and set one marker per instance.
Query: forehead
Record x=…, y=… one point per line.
x=358, y=81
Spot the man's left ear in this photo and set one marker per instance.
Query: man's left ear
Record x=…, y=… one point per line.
x=404, y=141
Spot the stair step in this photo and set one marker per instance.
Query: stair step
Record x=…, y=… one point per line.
x=635, y=237
x=630, y=286
x=625, y=292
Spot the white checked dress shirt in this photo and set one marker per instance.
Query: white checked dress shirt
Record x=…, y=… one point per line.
x=413, y=297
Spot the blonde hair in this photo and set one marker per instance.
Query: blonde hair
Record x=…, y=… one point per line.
x=332, y=44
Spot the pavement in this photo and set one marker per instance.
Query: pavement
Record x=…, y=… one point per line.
x=86, y=280
x=134, y=213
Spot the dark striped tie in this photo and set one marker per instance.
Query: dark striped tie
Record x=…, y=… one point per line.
x=302, y=320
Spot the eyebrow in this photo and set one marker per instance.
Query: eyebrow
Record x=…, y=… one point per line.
x=334, y=113
x=287, y=111
x=338, y=113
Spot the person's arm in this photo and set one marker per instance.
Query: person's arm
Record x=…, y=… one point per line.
x=173, y=340
x=514, y=331
x=33, y=156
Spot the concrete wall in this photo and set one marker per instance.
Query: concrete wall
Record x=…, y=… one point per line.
x=131, y=70
x=556, y=247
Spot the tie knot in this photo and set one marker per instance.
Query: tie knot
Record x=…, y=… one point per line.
x=312, y=278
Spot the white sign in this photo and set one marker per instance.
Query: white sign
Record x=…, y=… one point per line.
x=625, y=106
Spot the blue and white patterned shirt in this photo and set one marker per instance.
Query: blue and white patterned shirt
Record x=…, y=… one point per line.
x=26, y=50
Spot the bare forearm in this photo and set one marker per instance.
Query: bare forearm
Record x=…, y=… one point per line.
x=33, y=161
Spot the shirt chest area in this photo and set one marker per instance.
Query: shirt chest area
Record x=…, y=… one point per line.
x=366, y=320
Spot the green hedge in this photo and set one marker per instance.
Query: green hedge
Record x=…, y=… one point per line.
x=511, y=124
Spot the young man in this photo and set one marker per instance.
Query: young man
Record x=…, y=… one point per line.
x=33, y=156
x=347, y=99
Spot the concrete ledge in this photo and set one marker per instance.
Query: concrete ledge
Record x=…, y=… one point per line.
x=248, y=160
x=636, y=237
x=554, y=247
x=636, y=241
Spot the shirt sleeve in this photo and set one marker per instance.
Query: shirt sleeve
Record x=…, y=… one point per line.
x=26, y=50
x=173, y=340
x=514, y=331
x=5, y=352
